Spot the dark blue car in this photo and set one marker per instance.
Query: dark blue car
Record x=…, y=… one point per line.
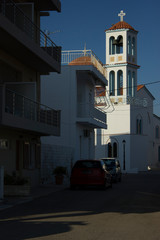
x=113, y=166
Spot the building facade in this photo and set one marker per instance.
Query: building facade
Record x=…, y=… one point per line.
x=26, y=52
x=75, y=96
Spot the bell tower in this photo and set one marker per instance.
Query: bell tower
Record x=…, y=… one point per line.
x=121, y=61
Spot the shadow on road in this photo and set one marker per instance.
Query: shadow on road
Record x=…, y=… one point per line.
x=59, y=212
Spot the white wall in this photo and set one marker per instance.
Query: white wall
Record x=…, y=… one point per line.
x=64, y=92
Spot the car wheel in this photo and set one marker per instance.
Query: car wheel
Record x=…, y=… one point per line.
x=105, y=185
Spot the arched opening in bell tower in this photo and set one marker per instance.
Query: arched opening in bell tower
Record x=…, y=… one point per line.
x=119, y=44
x=116, y=45
x=111, y=46
x=112, y=83
x=119, y=83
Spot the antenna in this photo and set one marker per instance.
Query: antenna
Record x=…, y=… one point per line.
x=47, y=33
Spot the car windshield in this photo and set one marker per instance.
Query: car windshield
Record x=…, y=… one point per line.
x=88, y=164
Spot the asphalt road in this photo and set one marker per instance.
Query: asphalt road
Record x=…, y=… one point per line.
x=130, y=210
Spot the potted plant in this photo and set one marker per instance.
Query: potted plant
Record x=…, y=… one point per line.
x=59, y=173
x=16, y=185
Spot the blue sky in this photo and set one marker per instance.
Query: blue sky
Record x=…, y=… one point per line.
x=85, y=21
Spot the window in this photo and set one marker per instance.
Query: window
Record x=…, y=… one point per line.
x=111, y=46
x=133, y=46
x=119, y=45
x=157, y=132
x=112, y=83
x=26, y=155
x=119, y=83
x=129, y=84
x=129, y=46
x=133, y=84
x=31, y=155
x=38, y=155
x=109, y=150
x=114, y=149
x=139, y=125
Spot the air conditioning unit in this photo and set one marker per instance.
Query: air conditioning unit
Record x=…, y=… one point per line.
x=86, y=133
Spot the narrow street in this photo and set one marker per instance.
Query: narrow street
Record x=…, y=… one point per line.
x=130, y=210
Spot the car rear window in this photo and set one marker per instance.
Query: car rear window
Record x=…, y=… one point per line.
x=110, y=162
x=88, y=164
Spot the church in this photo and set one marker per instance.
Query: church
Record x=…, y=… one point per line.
x=132, y=133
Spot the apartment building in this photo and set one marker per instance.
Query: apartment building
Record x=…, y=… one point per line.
x=26, y=52
x=74, y=94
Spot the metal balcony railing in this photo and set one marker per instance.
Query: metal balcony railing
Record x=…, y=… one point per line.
x=12, y=12
x=88, y=110
x=83, y=57
x=23, y=107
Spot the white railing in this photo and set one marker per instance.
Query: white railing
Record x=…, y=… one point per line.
x=82, y=57
x=23, y=107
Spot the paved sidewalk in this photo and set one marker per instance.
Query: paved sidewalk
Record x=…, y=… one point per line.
x=40, y=191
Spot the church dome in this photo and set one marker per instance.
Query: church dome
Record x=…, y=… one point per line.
x=121, y=25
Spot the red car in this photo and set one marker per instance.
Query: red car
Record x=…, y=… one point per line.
x=90, y=173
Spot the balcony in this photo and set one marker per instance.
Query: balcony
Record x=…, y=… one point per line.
x=21, y=37
x=45, y=5
x=89, y=115
x=83, y=57
x=21, y=113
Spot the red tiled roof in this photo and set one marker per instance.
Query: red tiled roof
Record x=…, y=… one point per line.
x=140, y=86
x=85, y=60
x=121, y=25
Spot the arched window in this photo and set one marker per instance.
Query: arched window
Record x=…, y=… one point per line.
x=114, y=149
x=119, y=44
x=109, y=150
x=129, y=46
x=119, y=83
x=133, y=46
x=139, y=125
x=112, y=83
x=111, y=46
x=157, y=132
x=133, y=84
x=129, y=84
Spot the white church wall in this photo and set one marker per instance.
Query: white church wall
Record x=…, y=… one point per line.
x=139, y=158
x=119, y=120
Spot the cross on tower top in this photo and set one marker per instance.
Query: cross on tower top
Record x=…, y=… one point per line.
x=121, y=15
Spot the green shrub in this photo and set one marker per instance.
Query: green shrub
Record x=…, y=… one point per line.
x=14, y=180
